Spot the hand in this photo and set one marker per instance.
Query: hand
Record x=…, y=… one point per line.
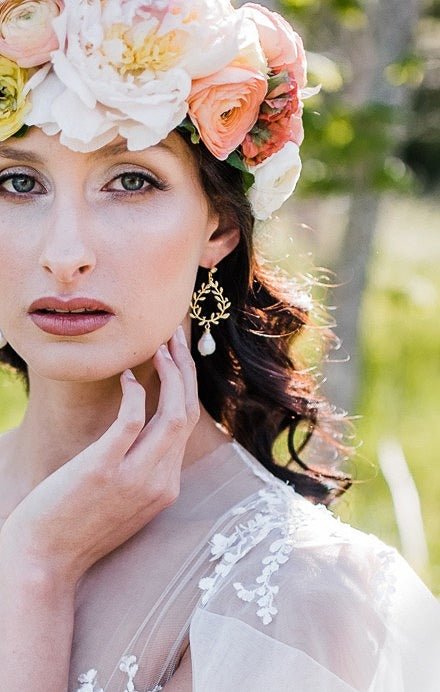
x=109, y=491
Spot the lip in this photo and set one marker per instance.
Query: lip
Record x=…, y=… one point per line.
x=55, y=303
x=69, y=324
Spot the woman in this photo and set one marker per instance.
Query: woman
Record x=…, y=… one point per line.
x=149, y=540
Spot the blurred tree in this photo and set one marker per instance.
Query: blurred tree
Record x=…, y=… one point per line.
x=422, y=150
x=380, y=109
x=361, y=52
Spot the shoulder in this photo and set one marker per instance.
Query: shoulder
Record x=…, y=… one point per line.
x=276, y=535
x=281, y=546
x=291, y=578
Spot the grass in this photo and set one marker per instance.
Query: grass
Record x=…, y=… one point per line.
x=12, y=401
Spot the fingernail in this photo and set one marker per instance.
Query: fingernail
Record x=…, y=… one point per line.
x=129, y=375
x=165, y=352
x=180, y=333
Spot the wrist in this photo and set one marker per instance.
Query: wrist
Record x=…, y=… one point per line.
x=21, y=569
x=28, y=584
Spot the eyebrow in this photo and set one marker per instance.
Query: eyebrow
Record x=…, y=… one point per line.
x=8, y=152
x=121, y=148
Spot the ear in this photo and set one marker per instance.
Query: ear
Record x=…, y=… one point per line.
x=222, y=241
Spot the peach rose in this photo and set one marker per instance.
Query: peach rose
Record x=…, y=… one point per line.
x=26, y=32
x=282, y=46
x=224, y=107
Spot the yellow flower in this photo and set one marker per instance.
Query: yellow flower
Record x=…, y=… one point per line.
x=141, y=48
x=13, y=102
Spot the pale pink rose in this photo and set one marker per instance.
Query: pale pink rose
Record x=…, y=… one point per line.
x=282, y=46
x=224, y=107
x=26, y=32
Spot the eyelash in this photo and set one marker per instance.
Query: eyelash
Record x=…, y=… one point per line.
x=152, y=181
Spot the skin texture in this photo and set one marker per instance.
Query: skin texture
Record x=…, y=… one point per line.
x=88, y=434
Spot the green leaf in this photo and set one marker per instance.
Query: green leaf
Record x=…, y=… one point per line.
x=189, y=126
x=22, y=131
x=236, y=161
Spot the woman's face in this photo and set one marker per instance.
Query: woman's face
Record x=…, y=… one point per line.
x=127, y=228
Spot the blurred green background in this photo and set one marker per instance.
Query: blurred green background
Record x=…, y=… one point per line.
x=367, y=209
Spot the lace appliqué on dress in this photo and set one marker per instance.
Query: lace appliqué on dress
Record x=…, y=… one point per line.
x=88, y=682
x=127, y=665
x=279, y=508
x=276, y=508
x=384, y=580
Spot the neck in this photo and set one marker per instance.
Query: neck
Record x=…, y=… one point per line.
x=63, y=418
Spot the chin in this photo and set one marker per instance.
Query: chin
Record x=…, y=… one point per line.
x=78, y=363
x=79, y=368
x=73, y=369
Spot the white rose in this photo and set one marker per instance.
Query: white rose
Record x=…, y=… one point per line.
x=56, y=110
x=275, y=180
x=127, y=67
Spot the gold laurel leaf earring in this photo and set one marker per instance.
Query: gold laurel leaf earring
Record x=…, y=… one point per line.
x=3, y=341
x=206, y=344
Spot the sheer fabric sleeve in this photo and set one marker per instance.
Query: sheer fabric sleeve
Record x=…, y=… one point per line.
x=314, y=605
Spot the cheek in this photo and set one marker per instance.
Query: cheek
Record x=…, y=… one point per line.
x=15, y=264
x=21, y=228
x=161, y=259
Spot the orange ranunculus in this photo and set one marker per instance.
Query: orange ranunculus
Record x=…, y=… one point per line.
x=225, y=106
x=26, y=32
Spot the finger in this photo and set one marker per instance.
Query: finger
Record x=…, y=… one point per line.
x=170, y=420
x=124, y=431
x=182, y=356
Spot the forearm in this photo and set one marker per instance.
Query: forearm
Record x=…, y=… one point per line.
x=36, y=628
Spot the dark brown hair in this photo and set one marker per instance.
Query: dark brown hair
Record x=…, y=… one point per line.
x=251, y=384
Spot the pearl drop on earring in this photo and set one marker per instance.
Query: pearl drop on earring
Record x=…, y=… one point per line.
x=206, y=344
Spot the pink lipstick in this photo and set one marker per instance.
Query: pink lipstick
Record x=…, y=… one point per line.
x=73, y=317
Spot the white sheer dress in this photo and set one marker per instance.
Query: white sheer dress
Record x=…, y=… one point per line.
x=272, y=592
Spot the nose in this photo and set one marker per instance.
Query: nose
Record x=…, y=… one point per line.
x=67, y=253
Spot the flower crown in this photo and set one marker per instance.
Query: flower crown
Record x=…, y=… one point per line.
x=90, y=70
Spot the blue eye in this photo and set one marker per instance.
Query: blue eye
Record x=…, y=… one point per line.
x=132, y=182
x=18, y=182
